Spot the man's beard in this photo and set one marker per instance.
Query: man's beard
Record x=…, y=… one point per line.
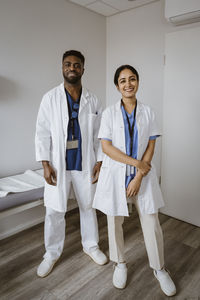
x=72, y=80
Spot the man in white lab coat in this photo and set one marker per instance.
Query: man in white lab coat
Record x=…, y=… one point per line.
x=67, y=145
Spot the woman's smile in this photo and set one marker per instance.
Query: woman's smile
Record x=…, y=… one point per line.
x=127, y=83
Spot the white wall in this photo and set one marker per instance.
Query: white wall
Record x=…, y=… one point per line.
x=181, y=143
x=137, y=37
x=33, y=37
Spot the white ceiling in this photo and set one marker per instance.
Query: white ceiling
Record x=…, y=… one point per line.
x=108, y=8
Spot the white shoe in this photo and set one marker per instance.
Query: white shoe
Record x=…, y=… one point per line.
x=166, y=283
x=98, y=256
x=45, y=267
x=120, y=276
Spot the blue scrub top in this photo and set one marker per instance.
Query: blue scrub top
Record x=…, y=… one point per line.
x=128, y=141
x=73, y=156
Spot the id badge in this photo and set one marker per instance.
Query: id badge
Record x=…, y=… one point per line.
x=132, y=170
x=72, y=144
x=128, y=170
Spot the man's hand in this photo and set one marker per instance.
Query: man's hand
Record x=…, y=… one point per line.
x=49, y=173
x=134, y=186
x=96, y=171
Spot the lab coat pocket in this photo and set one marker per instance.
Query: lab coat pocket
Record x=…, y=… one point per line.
x=150, y=196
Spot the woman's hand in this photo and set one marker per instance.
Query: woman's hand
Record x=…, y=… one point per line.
x=134, y=186
x=96, y=171
x=49, y=173
x=144, y=167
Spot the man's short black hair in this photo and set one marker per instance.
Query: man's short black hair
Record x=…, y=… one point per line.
x=121, y=68
x=74, y=53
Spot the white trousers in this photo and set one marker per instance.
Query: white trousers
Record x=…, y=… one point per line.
x=54, y=229
x=152, y=233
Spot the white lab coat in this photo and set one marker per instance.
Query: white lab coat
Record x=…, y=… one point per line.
x=110, y=196
x=51, y=138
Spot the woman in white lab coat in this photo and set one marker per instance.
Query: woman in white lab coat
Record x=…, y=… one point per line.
x=128, y=133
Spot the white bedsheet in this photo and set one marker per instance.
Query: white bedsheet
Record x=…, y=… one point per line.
x=29, y=180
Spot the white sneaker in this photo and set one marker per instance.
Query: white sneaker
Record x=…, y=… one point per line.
x=45, y=267
x=166, y=283
x=98, y=256
x=120, y=276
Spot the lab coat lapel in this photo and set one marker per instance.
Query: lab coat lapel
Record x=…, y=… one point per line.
x=120, y=125
x=83, y=100
x=119, y=114
x=139, y=114
x=141, y=129
x=64, y=109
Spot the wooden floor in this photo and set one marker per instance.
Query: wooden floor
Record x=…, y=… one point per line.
x=77, y=277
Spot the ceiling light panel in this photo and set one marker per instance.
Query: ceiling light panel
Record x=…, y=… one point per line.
x=102, y=8
x=82, y=2
x=125, y=4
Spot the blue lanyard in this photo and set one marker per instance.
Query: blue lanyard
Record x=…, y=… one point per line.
x=73, y=112
x=131, y=128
